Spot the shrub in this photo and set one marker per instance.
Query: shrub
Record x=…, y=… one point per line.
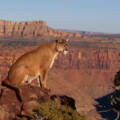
x=53, y=111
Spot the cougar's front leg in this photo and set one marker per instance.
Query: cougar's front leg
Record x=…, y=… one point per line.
x=39, y=81
x=43, y=78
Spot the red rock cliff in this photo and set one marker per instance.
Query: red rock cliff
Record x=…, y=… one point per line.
x=31, y=29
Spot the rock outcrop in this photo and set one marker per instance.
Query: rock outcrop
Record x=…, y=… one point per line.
x=31, y=29
x=11, y=108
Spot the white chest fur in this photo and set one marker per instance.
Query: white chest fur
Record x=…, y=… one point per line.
x=53, y=59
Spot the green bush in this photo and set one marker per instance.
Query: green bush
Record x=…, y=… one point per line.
x=53, y=111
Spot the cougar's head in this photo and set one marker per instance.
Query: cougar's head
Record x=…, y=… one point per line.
x=62, y=45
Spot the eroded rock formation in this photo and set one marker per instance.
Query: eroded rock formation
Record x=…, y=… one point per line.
x=31, y=29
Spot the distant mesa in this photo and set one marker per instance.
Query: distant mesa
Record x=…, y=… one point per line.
x=30, y=29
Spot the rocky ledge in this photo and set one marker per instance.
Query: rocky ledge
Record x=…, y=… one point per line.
x=11, y=108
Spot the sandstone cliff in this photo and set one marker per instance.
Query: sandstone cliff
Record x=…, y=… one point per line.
x=31, y=29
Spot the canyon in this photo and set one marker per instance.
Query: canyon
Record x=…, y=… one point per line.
x=85, y=73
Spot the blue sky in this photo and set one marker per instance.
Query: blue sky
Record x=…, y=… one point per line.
x=88, y=15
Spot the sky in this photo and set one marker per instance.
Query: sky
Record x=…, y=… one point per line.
x=84, y=15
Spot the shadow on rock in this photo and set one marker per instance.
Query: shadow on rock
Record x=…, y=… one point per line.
x=104, y=107
x=64, y=100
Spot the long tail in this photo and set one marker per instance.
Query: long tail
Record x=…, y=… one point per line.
x=13, y=87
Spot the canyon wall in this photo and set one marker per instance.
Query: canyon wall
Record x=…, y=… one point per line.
x=31, y=29
x=76, y=59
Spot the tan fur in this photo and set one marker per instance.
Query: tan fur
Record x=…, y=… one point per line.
x=35, y=64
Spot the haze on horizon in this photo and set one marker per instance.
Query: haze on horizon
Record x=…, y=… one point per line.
x=87, y=15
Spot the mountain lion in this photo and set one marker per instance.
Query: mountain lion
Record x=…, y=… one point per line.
x=35, y=64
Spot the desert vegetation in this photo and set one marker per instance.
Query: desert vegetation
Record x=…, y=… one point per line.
x=53, y=111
